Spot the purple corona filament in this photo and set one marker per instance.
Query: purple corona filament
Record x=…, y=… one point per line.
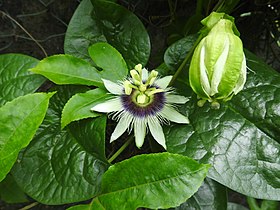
x=138, y=111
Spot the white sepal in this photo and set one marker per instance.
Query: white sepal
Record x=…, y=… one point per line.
x=121, y=127
x=174, y=116
x=113, y=87
x=111, y=105
x=203, y=72
x=176, y=99
x=139, y=132
x=156, y=131
x=219, y=67
x=163, y=82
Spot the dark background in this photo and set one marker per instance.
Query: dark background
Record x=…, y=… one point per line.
x=46, y=20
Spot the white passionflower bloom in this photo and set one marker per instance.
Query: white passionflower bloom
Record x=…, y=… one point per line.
x=142, y=101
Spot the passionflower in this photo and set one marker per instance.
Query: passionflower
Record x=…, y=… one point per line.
x=218, y=66
x=142, y=101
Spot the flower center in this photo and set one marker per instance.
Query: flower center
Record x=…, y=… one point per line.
x=142, y=98
x=151, y=106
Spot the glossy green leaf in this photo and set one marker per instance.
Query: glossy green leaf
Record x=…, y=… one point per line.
x=110, y=60
x=15, y=79
x=67, y=69
x=10, y=191
x=78, y=107
x=259, y=102
x=109, y=22
x=63, y=166
x=235, y=206
x=160, y=180
x=176, y=53
x=19, y=120
x=210, y=196
x=241, y=140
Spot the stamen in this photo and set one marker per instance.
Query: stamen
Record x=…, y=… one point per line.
x=136, y=77
x=127, y=87
x=150, y=93
x=152, y=77
x=142, y=88
x=138, y=68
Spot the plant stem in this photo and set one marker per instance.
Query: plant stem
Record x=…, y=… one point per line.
x=218, y=6
x=22, y=28
x=30, y=206
x=117, y=153
x=187, y=58
x=253, y=203
x=199, y=6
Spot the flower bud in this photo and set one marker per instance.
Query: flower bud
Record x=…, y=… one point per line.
x=218, y=66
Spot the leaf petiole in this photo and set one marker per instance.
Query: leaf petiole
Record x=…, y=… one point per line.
x=123, y=147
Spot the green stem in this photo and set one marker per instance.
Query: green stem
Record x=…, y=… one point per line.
x=30, y=206
x=253, y=203
x=117, y=153
x=199, y=6
x=171, y=9
x=187, y=58
x=218, y=6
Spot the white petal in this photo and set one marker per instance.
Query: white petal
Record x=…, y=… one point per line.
x=219, y=68
x=242, y=78
x=176, y=99
x=163, y=82
x=203, y=72
x=112, y=87
x=145, y=74
x=139, y=132
x=156, y=131
x=122, y=125
x=174, y=116
x=111, y=105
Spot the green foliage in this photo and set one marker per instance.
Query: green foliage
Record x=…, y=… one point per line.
x=15, y=78
x=210, y=196
x=176, y=53
x=166, y=181
x=19, y=120
x=67, y=69
x=109, y=59
x=63, y=166
x=65, y=161
x=235, y=206
x=78, y=106
x=106, y=21
x=10, y=191
x=235, y=139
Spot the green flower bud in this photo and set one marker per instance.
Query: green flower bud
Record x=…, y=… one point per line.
x=218, y=66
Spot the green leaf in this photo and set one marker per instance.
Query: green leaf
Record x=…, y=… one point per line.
x=235, y=206
x=176, y=53
x=107, y=22
x=15, y=78
x=160, y=180
x=63, y=166
x=10, y=191
x=78, y=107
x=110, y=60
x=269, y=205
x=210, y=196
x=67, y=69
x=259, y=102
x=19, y=120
